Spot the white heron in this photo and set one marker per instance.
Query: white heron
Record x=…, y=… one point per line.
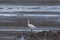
x=30, y=25
x=22, y=38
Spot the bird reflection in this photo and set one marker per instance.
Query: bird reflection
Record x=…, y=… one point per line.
x=22, y=38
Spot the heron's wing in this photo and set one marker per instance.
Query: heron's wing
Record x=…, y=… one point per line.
x=32, y=26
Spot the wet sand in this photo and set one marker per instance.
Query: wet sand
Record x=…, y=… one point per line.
x=44, y=35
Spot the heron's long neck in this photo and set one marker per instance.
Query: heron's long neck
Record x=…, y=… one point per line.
x=28, y=21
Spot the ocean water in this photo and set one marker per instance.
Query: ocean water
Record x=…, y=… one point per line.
x=29, y=8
